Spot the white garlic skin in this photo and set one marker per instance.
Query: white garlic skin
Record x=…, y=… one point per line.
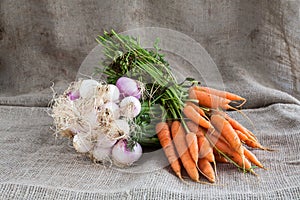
x=104, y=142
x=81, y=144
x=130, y=107
x=113, y=108
x=88, y=88
x=101, y=154
x=113, y=93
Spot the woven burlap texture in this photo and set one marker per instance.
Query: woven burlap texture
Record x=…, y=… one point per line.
x=254, y=43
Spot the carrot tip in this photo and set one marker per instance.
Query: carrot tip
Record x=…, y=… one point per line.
x=212, y=180
x=252, y=172
x=266, y=148
x=180, y=177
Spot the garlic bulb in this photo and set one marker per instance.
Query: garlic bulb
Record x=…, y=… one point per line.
x=112, y=94
x=113, y=109
x=119, y=128
x=88, y=88
x=130, y=107
x=124, y=157
x=82, y=144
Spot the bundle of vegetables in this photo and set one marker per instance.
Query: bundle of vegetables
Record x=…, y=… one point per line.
x=140, y=94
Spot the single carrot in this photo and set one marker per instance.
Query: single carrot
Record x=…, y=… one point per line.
x=226, y=130
x=161, y=126
x=164, y=137
x=236, y=125
x=178, y=135
x=205, y=149
x=191, y=140
x=249, y=141
x=206, y=168
x=256, y=145
x=198, y=109
x=252, y=158
x=192, y=114
x=252, y=134
x=224, y=94
x=242, y=136
x=209, y=100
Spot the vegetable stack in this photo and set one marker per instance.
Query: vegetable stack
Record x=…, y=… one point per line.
x=141, y=103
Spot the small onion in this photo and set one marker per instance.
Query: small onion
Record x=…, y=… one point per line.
x=73, y=95
x=113, y=93
x=101, y=154
x=104, y=142
x=87, y=88
x=130, y=107
x=113, y=108
x=128, y=87
x=122, y=156
x=81, y=144
x=119, y=128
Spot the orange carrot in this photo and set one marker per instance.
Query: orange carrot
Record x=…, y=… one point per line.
x=192, y=114
x=242, y=136
x=219, y=158
x=232, y=154
x=206, y=168
x=236, y=125
x=250, y=141
x=224, y=94
x=252, y=158
x=205, y=149
x=226, y=130
x=198, y=109
x=199, y=131
x=192, y=126
x=164, y=137
x=178, y=135
x=256, y=145
x=252, y=134
x=209, y=100
x=217, y=135
x=191, y=140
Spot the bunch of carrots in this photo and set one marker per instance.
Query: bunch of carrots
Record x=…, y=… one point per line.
x=208, y=135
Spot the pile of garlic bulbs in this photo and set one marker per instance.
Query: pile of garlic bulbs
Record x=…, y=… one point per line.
x=98, y=117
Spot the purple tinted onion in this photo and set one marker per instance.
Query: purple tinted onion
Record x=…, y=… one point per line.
x=128, y=87
x=122, y=156
x=73, y=95
x=130, y=107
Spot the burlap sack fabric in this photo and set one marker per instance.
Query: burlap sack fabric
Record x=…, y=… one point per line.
x=255, y=44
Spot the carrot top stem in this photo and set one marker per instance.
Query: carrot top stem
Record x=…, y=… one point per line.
x=192, y=100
